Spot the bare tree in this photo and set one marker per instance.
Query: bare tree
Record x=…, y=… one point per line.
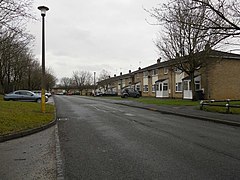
x=104, y=74
x=82, y=79
x=228, y=11
x=18, y=67
x=14, y=13
x=179, y=40
x=66, y=83
x=103, y=79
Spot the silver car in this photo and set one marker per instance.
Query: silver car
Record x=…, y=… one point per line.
x=23, y=95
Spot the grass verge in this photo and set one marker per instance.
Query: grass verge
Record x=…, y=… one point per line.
x=180, y=102
x=157, y=101
x=20, y=116
x=170, y=102
x=223, y=109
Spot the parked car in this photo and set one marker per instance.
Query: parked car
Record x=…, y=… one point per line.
x=130, y=92
x=98, y=93
x=23, y=95
x=48, y=94
x=110, y=93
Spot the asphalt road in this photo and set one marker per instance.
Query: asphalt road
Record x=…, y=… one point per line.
x=101, y=140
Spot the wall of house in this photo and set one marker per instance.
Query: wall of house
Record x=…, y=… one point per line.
x=177, y=78
x=223, y=80
x=220, y=79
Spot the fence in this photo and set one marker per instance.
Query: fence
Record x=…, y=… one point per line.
x=227, y=104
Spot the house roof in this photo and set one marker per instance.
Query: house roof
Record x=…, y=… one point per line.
x=226, y=55
x=188, y=77
x=161, y=80
x=171, y=62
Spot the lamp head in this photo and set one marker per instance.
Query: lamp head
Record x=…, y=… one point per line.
x=43, y=10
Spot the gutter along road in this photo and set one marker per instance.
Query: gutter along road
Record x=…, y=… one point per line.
x=102, y=140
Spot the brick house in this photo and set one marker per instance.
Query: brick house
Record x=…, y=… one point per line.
x=219, y=79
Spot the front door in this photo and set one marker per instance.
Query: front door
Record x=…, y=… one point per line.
x=187, y=90
x=162, y=89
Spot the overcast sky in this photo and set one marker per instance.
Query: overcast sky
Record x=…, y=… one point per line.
x=94, y=35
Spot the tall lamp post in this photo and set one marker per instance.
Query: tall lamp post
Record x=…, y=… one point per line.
x=43, y=10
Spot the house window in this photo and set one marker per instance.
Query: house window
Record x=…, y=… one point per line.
x=145, y=74
x=187, y=85
x=153, y=88
x=179, y=87
x=165, y=86
x=165, y=70
x=157, y=87
x=197, y=85
x=154, y=72
x=145, y=88
x=138, y=87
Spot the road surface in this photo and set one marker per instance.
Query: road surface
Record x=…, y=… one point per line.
x=101, y=140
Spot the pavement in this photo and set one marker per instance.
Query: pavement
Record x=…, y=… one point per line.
x=185, y=111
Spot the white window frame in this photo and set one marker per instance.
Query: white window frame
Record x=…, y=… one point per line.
x=153, y=88
x=165, y=86
x=145, y=88
x=179, y=87
x=154, y=72
x=145, y=73
x=165, y=70
x=197, y=83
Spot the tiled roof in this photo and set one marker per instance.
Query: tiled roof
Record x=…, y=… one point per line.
x=213, y=54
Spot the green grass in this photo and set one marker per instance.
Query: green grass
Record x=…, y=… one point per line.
x=223, y=109
x=20, y=116
x=157, y=101
x=169, y=102
x=181, y=102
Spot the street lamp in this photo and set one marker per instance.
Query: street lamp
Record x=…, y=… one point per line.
x=43, y=10
x=94, y=83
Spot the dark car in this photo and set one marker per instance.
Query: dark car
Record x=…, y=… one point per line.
x=110, y=93
x=130, y=92
x=23, y=95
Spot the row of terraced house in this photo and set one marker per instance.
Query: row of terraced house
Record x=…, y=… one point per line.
x=218, y=79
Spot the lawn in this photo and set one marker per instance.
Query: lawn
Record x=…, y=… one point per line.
x=20, y=116
x=180, y=102
x=170, y=102
x=223, y=109
x=157, y=101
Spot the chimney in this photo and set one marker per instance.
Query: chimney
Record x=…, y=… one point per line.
x=115, y=75
x=120, y=73
x=109, y=77
x=139, y=68
x=159, y=60
x=129, y=71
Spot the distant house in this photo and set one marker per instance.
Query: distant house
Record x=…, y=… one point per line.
x=219, y=79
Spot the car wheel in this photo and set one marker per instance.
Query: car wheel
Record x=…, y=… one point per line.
x=38, y=100
x=137, y=96
x=125, y=96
